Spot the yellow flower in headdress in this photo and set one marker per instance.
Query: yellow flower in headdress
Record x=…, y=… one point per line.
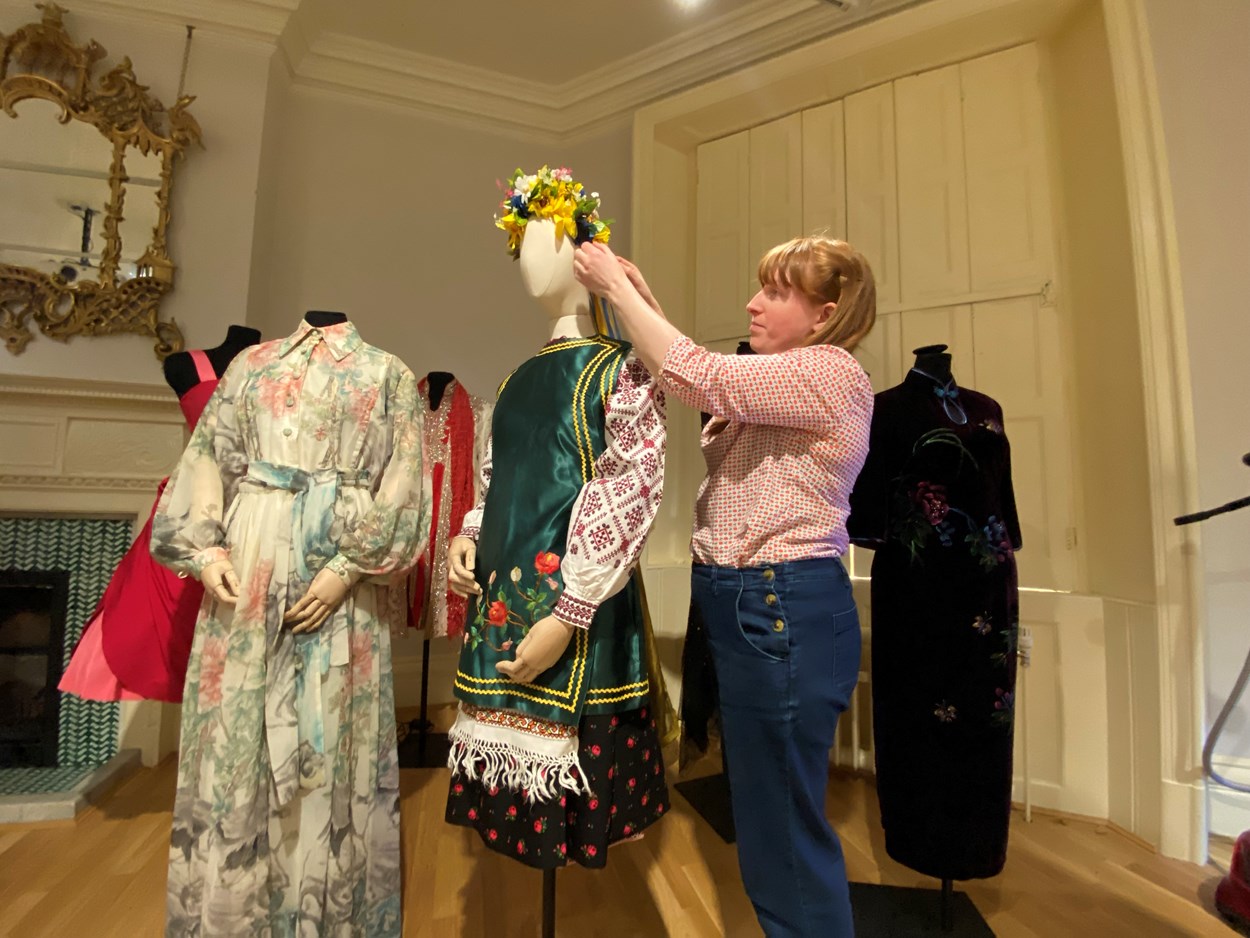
x=550, y=194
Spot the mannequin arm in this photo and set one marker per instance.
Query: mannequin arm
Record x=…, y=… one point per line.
x=605, y=540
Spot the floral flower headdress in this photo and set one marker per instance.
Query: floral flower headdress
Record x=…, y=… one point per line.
x=550, y=193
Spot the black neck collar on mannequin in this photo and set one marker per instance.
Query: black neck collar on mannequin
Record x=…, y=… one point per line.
x=240, y=337
x=320, y=319
x=437, y=382
x=934, y=362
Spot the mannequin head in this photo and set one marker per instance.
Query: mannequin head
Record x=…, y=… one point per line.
x=546, y=215
x=547, y=273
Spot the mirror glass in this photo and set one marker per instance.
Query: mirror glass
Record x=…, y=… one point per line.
x=54, y=195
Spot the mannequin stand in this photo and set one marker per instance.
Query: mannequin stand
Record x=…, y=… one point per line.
x=430, y=750
x=549, y=903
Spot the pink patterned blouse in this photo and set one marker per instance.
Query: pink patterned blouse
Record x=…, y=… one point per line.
x=788, y=437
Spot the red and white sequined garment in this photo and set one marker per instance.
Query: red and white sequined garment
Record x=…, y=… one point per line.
x=614, y=511
x=787, y=440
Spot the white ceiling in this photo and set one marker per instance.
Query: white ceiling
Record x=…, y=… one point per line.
x=549, y=41
x=546, y=69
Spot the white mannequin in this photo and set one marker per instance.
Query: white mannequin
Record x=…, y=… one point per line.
x=547, y=274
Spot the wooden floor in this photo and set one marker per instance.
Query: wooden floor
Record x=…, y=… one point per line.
x=104, y=875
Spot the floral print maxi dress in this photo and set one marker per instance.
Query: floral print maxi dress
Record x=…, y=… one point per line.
x=286, y=818
x=935, y=500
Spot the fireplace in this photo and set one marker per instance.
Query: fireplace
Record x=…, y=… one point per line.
x=32, y=631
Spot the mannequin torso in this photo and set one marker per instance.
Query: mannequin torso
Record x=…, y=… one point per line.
x=438, y=382
x=180, y=370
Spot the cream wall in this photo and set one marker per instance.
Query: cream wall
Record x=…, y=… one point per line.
x=387, y=216
x=214, y=191
x=1100, y=313
x=1202, y=55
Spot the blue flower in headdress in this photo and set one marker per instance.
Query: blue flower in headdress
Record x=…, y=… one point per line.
x=519, y=205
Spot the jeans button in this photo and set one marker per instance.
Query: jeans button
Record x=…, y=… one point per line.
x=768, y=576
x=771, y=599
x=779, y=626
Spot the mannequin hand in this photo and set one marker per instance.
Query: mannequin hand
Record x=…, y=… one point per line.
x=461, y=561
x=640, y=284
x=324, y=595
x=538, y=651
x=219, y=579
x=598, y=269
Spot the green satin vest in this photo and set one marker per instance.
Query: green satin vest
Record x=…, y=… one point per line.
x=547, y=432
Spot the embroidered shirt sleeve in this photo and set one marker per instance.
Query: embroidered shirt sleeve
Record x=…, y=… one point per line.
x=614, y=512
x=813, y=387
x=472, y=523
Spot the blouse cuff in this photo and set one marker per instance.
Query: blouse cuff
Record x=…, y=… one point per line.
x=208, y=555
x=347, y=571
x=470, y=530
x=574, y=611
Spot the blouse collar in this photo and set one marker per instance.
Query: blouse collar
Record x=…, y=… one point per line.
x=341, y=339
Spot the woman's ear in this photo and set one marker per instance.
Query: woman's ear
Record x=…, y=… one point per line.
x=826, y=313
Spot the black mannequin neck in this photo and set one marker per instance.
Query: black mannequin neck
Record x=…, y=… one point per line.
x=320, y=319
x=934, y=361
x=181, y=373
x=238, y=337
x=438, y=382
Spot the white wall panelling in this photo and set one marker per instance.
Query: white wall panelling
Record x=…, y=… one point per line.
x=1009, y=217
x=932, y=193
x=824, y=170
x=776, y=212
x=724, y=253
x=872, y=186
x=1016, y=350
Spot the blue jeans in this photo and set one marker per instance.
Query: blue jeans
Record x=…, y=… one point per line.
x=785, y=643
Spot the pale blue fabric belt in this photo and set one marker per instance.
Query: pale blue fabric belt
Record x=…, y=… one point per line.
x=294, y=718
x=316, y=493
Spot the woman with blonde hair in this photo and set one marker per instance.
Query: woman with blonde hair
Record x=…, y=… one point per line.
x=788, y=437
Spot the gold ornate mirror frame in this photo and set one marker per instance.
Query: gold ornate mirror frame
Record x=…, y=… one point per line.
x=40, y=60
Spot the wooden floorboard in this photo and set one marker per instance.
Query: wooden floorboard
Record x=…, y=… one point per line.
x=103, y=875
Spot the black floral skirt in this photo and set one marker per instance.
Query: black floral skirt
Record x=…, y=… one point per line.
x=621, y=757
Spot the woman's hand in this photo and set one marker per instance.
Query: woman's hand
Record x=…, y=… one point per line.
x=598, y=269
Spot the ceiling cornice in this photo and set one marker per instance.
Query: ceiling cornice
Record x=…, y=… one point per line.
x=603, y=97
x=252, y=19
x=469, y=96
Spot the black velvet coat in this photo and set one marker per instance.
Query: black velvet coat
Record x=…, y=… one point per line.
x=935, y=502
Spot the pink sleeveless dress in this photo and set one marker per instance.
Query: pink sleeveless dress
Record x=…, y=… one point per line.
x=138, y=640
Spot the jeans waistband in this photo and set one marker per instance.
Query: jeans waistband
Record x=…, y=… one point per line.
x=822, y=569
